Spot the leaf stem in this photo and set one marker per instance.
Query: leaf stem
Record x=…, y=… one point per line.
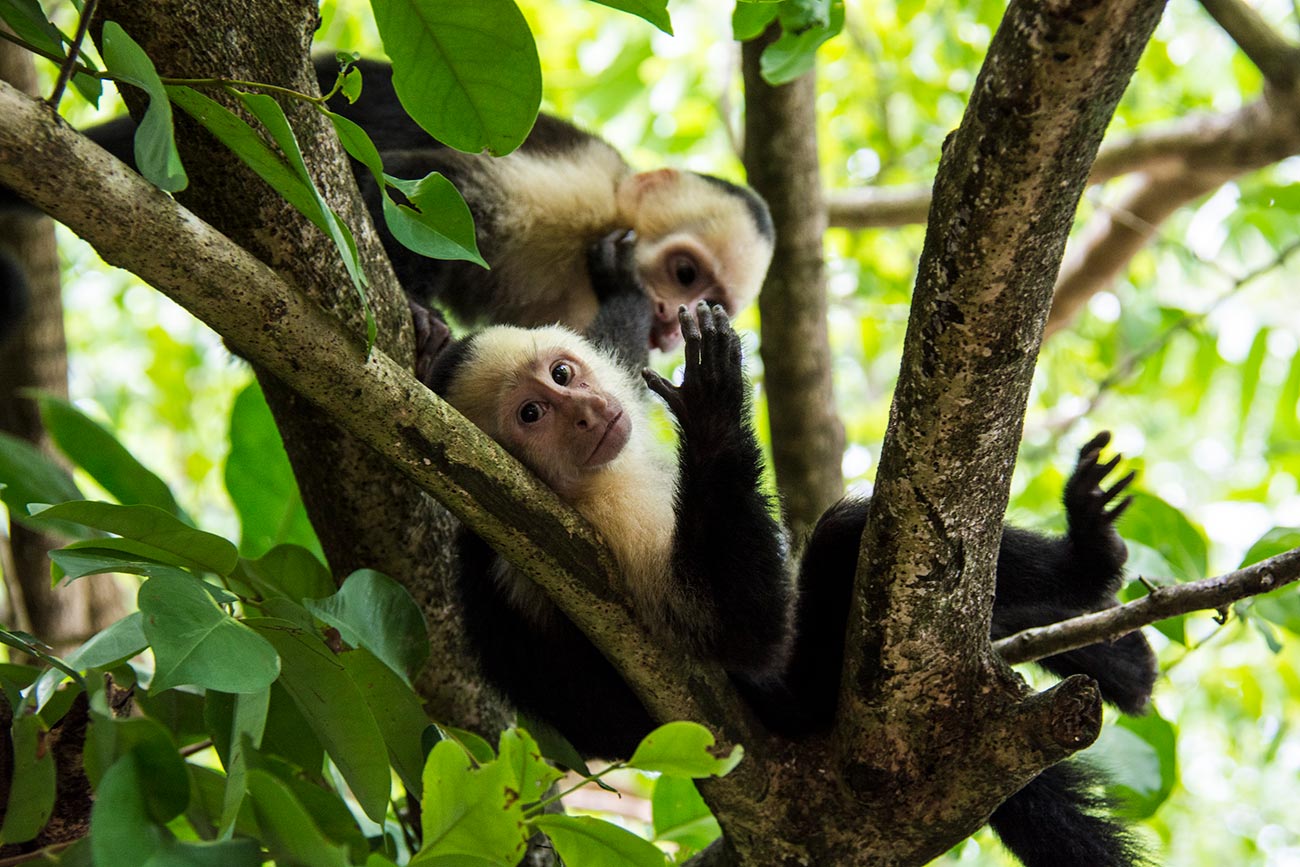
x=536, y=809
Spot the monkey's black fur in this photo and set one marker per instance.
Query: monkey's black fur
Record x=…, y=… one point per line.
x=728, y=557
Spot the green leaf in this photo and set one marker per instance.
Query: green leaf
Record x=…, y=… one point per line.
x=749, y=20
x=247, y=144
x=195, y=641
x=156, y=156
x=271, y=115
x=1280, y=606
x=29, y=476
x=473, y=745
x=532, y=775
x=109, y=739
x=121, y=833
x=586, y=842
x=287, y=828
x=1140, y=757
x=121, y=641
x=1158, y=525
x=248, y=722
x=78, y=562
x=34, y=647
x=29, y=23
x=654, y=11
x=680, y=814
x=290, y=736
x=553, y=744
x=150, y=526
x=465, y=70
x=683, y=749
x=398, y=711
x=373, y=611
x=795, y=52
x=90, y=446
x=439, y=226
x=290, y=572
x=261, y=482
x=351, y=89
x=470, y=811
x=335, y=710
x=31, y=787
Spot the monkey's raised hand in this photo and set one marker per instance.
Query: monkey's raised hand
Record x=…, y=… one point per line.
x=1088, y=511
x=710, y=401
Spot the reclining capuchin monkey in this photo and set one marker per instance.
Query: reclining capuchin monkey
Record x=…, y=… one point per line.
x=704, y=562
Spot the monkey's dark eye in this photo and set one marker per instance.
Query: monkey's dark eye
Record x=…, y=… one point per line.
x=562, y=373
x=684, y=270
x=531, y=412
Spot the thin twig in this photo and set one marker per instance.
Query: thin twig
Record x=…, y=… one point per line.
x=70, y=62
x=1165, y=602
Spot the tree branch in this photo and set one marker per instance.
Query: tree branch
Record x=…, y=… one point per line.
x=1162, y=603
x=781, y=159
x=135, y=226
x=1277, y=59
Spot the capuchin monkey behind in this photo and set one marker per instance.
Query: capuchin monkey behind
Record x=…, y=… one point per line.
x=704, y=563
x=537, y=211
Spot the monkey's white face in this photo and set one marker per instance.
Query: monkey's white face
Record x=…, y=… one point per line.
x=693, y=244
x=559, y=421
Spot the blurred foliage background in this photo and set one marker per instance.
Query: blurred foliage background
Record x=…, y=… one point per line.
x=1195, y=371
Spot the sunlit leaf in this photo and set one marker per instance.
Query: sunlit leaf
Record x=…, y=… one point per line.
x=684, y=749
x=583, y=841
x=156, y=156
x=465, y=70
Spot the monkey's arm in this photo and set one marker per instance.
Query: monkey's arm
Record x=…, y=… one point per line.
x=1044, y=580
x=728, y=552
x=625, y=315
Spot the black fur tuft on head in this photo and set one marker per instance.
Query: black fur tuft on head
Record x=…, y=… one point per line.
x=447, y=364
x=757, y=206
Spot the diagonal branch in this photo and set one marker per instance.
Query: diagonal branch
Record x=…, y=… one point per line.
x=135, y=226
x=1277, y=59
x=1162, y=603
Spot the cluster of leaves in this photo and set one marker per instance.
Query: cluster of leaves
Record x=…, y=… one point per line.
x=299, y=690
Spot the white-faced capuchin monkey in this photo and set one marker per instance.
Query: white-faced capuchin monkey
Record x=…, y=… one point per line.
x=538, y=210
x=704, y=563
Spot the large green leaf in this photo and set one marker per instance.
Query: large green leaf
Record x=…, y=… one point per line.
x=248, y=722
x=439, y=225
x=795, y=52
x=195, y=641
x=247, y=144
x=109, y=739
x=151, y=526
x=156, y=156
x=287, y=829
x=31, y=787
x=1140, y=756
x=586, y=842
x=1280, y=606
x=373, y=611
x=79, y=562
x=29, y=476
x=680, y=814
x=261, y=482
x=116, y=643
x=93, y=448
x=398, y=712
x=288, y=571
x=336, y=711
x=465, y=70
x=469, y=811
x=683, y=749
x=1158, y=525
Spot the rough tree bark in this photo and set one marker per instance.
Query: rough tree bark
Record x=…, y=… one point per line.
x=35, y=357
x=781, y=162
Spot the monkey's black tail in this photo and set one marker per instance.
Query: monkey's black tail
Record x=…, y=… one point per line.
x=1060, y=819
x=13, y=296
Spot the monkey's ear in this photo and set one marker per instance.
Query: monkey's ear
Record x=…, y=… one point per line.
x=634, y=188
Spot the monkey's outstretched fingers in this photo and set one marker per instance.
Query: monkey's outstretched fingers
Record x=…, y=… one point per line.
x=671, y=394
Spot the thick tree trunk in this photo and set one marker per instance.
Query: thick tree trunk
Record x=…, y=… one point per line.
x=365, y=513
